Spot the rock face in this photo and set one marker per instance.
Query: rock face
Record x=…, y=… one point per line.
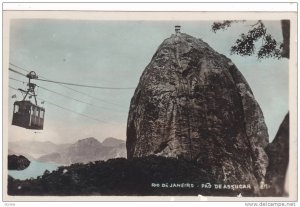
x=278, y=153
x=193, y=102
x=17, y=162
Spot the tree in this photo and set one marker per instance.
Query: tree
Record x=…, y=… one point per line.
x=270, y=47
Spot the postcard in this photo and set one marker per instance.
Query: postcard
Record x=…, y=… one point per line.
x=108, y=106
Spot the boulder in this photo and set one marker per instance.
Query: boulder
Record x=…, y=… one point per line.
x=17, y=162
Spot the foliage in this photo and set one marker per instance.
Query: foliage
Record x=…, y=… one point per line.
x=222, y=25
x=245, y=44
x=120, y=177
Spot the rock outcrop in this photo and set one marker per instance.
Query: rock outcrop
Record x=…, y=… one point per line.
x=193, y=102
x=278, y=153
x=15, y=162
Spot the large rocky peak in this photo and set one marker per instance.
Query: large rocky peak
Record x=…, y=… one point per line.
x=193, y=102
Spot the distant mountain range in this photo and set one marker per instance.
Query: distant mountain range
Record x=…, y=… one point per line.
x=25, y=154
x=112, y=142
x=34, y=149
x=82, y=151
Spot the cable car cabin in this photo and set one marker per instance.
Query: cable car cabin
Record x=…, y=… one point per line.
x=28, y=115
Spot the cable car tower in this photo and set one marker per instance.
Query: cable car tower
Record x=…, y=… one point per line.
x=25, y=113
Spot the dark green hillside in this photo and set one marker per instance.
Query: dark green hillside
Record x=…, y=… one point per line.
x=121, y=177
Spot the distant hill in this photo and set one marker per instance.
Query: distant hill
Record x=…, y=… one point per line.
x=10, y=152
x=87, y=150
x=28, y=156
x=112, y=142
x=34, y=149
x=54, y=157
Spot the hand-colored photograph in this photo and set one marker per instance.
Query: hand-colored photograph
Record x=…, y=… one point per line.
x=148, y=108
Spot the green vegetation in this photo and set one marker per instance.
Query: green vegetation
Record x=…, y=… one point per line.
x=121, y=177
x=268, y=47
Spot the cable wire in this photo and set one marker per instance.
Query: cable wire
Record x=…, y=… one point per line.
x=17, y=80
x=99, y=99
x=16, y=72
x=86, y=86
x=87, y=116
x=75, y=84
x=19, y=67
x=69, y=97
x=88, y=95
x=73, y=111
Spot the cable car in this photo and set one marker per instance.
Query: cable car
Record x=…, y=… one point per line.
x=27, y=114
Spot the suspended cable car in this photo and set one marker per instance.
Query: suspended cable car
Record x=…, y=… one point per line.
x=25, y=113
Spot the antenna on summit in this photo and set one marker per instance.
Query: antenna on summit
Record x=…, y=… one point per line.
x=177, y=29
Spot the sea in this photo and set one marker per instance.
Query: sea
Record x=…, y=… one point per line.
x=34, y=170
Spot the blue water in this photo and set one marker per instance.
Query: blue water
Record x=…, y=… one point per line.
x=34, y=169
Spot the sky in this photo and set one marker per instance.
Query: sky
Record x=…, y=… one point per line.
x=114, y=54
